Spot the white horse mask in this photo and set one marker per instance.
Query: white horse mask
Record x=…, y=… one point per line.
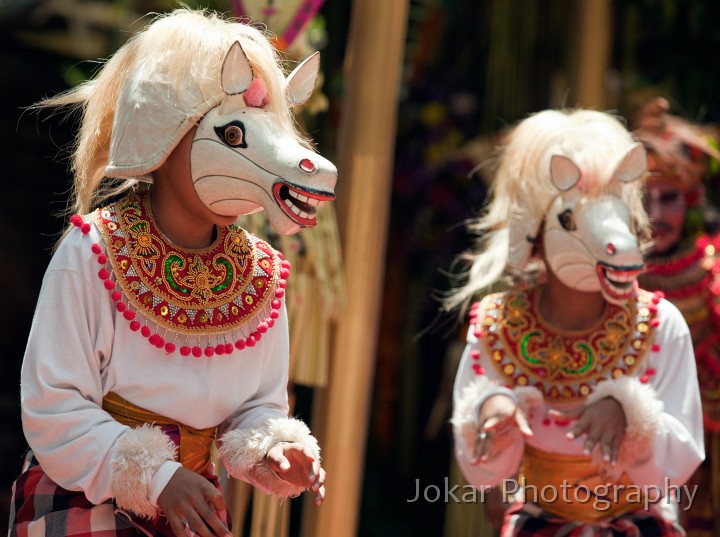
x=589, y=241
x=240, y=164
x=240, y=161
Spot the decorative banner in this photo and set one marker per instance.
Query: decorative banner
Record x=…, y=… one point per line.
x=286, y=18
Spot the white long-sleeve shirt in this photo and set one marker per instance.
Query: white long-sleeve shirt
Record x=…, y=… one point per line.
x=677, y=448
x=80, y=348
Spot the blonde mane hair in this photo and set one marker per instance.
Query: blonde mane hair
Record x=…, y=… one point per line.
x=522, y=191
x=192, y=45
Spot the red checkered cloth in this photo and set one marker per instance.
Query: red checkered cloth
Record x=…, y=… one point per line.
x=42, y=508
x=523, y=520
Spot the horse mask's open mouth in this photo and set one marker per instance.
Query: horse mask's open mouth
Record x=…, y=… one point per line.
x=618, y=282
x=298, y=203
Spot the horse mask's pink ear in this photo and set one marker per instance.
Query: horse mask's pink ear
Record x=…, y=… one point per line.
x=632, y=165
x=237, y=78
x=564, y=173
x=237, y=74
x=301, y=82
x=524, y=225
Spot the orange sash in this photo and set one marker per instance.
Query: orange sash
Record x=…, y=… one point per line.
x=195, y=444
x=571, y=487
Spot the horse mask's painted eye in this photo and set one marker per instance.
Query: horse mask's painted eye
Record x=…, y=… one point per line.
x=232, y=134
x=567, y=220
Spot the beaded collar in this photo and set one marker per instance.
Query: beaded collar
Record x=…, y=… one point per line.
x=564, y=366
x=206, y=301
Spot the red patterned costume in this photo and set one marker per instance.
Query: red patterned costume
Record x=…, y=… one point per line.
x=685, y=266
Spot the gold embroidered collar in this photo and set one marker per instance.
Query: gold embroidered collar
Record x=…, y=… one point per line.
x=173, y=296
x=527, y=351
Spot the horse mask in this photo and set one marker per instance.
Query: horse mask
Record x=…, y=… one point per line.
x=240, y=160
x=589, y=241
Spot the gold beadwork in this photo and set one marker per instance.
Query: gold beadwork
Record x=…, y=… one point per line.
x=563, y=365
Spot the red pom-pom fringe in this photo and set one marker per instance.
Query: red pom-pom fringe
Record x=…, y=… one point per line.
x=197, y=351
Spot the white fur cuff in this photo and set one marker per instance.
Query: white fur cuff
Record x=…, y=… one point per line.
x=643, y=412
x=465, y=410
x=138, y=455
x=243, y=453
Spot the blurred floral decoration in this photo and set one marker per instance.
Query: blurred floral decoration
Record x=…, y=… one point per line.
x=316, y=290
x=435, y=190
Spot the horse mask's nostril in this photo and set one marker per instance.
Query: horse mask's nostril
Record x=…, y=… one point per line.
x=307, y=165
x=610, y=248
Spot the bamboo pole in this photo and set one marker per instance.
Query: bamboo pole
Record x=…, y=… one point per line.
x=366, y=147
x=593, y=52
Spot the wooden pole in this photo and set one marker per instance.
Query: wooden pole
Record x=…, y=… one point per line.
x=366, y=147
x=593, y=52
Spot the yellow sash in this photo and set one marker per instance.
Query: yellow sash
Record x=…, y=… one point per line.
x=195, y=444
x=571, y=487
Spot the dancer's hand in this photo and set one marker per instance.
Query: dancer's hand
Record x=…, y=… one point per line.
x=499, y=415
x=192, y=498
x=602, y=422
x=295, y=463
